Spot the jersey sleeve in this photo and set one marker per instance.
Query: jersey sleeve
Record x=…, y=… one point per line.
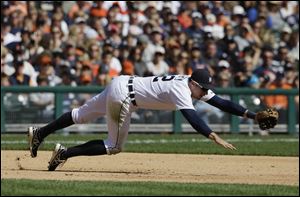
x=181, y=97
x=209, y=95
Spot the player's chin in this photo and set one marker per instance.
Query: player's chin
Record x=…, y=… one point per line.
x=198, y=97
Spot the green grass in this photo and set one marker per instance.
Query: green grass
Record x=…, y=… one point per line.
x=11, y=187
x=273, y=145
x=246, y=145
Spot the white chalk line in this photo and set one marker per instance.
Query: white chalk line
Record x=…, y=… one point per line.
x=161, y=141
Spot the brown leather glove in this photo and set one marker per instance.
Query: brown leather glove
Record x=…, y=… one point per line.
x=267, y=118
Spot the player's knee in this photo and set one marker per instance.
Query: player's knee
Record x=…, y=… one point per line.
x=113, y=150
x=77, y=119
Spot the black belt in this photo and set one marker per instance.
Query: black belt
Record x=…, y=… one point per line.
x=131, y=91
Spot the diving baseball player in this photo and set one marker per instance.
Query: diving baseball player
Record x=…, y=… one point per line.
x=124, y=95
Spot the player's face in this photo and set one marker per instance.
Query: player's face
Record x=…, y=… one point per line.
x=197, y=92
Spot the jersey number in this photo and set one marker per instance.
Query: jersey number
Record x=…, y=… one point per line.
x=164, y=78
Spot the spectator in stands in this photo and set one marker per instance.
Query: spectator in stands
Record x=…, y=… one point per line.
x=4, y=80
x=182, y=65
x=282, y=56
x=104, y=77
x=86, y=76
x=70, y=53
x=5, y=11
x=238, y=13
x=6, y=68
x=115, y=66
x=135, y=28
x=293, y=19
x=224, y=75
x=19, y=78
x=135, y=57
x=279, y=102
x=264, y=33
x=196, y=61
x=195, y=31
x=58, y=21
x=267, y=63
x=156, y=42
x=96, y=23
x=95, y=57
x=211, y=57
x=275, y=16
x=216, y=30
x=242, y=39
x=56, y=40
x=184, y=17
x=245, y=77
x=16, y=22
x=47, y=70
x=175, y=27
x=79, y=6
x=98, y=10
x=293, y=46
x=285, y=35
x=173, y=51
x=158, y=66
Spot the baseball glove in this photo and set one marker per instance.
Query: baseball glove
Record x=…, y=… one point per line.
x=267, y=118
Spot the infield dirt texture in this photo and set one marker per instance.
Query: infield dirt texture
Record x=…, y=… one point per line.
x=156, y=167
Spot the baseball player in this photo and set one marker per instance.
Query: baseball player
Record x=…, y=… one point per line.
x=124, y=95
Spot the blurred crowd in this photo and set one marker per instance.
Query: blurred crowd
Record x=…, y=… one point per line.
x=242, y=43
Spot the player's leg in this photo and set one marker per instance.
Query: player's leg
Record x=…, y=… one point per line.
x=118, y=122
x=118, y=126
x=36, y=135
x=61, y=153
x=118, y=130
x=92, y=109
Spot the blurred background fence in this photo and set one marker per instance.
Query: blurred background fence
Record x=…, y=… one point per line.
x=22, y=106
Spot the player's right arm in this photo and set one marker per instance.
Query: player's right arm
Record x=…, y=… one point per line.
x=201, y=127
x=213, y=136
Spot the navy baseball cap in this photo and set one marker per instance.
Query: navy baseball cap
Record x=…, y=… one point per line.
x=203, y=78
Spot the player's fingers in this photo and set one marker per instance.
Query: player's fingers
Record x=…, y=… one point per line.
x=233, y=147
x=230, y=146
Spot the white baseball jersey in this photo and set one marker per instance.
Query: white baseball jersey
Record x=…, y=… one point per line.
x=160, y=93
x=165, y=93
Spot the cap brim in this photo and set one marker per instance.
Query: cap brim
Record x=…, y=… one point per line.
x=207, y=86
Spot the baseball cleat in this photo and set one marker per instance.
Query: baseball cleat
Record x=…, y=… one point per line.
x=56, y=158
x=34, y=141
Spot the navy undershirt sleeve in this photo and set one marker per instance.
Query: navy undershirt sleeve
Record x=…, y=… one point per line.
x=197, y=123
x=230, y=107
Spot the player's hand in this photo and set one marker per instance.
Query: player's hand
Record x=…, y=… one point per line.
x=220, y=141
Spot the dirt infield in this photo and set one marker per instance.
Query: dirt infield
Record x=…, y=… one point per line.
x=156, y=167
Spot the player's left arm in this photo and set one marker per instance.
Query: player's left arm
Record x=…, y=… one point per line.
x=266, y=119
x=200, y=126
x=231, y=107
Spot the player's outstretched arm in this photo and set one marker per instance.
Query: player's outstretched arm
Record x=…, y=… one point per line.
x=266, y=118
x=200, y=126
x=213, y=136
x=230, y=107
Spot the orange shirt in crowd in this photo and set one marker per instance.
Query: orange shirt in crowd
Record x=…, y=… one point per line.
x=278, y=101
